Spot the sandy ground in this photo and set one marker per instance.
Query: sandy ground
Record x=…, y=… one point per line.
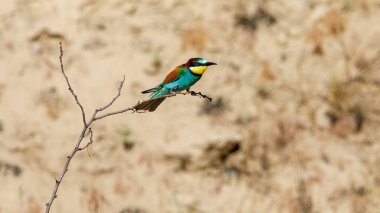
x=293, y=127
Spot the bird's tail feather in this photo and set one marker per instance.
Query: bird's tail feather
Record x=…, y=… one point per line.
x=151, y=90
x=155, y=104
x=150, y=104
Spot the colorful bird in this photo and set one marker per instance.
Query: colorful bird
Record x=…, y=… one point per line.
x=181, y=78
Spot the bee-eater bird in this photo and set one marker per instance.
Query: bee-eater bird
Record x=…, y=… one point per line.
x=181, y=78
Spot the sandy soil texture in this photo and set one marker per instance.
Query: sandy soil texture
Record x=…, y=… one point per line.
x=293, y=125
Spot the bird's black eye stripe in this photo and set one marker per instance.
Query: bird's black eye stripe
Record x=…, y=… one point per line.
x=196, y=64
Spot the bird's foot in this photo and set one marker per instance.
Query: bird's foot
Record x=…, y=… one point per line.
x=193, y=93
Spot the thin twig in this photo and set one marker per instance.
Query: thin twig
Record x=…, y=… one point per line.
x=193, y=93
x=114, y=113
x=89, y=142
x=68, y=84
x=116, y=97
x=58, y=180
x=86, y=126
x=133, y=108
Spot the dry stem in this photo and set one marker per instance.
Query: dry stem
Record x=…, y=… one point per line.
x=86, y=126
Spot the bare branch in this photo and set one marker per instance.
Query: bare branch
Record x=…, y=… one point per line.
x=86, y=126
x=133, y=108
x=89, y=142
x=68, y=83
x=116, y=97
x=193, y=93
x=114, y=113
x=58, y=180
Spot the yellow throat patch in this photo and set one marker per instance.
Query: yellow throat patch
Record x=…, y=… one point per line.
x=198, y=70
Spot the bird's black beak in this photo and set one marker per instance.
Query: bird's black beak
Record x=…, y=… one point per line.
x=209, y=63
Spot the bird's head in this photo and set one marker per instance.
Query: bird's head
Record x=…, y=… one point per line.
x=198, y=65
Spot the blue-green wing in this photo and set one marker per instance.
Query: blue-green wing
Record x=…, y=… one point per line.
x=174, y=75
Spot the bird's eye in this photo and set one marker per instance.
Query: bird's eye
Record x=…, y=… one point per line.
x=196, y=64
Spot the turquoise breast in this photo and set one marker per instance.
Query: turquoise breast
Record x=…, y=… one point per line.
x=187, y=80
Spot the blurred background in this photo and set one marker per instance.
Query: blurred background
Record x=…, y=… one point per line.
x=293, y=125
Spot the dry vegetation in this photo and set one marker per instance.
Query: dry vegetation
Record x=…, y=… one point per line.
x=293, y=126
